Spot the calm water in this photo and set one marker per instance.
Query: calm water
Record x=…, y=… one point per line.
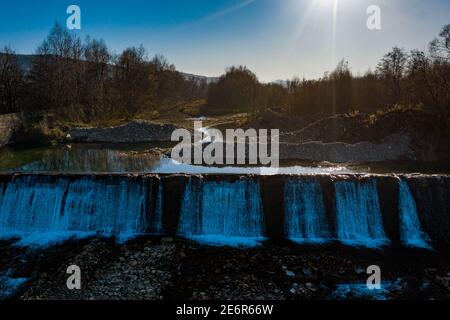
x=92, y=158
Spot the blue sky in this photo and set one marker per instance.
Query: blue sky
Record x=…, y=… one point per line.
x=277, y=39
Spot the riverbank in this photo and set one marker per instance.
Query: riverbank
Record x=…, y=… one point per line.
x=396, y=134
x=161, y=268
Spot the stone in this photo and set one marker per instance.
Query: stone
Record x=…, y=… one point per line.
x=290, y=273
x=167, y=240
x=359, y=270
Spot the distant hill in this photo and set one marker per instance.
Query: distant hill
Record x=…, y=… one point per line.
x=283, y=83
x=25, y=61
x=189, y=76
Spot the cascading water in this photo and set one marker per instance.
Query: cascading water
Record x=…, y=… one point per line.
x=410, y=230
x=156, y=217
x=222, y=212
x=358, y=215
x=305, y=219
x=45, y=210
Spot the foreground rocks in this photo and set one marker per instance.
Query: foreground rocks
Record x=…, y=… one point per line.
x=167, y=268
x=135, y=131
x=110, y=272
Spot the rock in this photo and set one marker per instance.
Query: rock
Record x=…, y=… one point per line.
x=297, y=289
x=359, y=270
x=311, y=287
x=342, y=272
x=290, y=273
x=307, y=272
x=167, y=240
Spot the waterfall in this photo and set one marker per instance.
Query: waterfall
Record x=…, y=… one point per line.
x=156, y=218
x=358, y=215
x=305, y=219
x=44, y=210
x=222, y=212
x=410, y=229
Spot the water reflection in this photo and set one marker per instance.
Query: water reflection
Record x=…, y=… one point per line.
x=148, y=158
x=78, y=159
x=88, y=158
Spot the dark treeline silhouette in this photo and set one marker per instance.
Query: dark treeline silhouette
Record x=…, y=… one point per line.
x=401, y=78
x=85, y=81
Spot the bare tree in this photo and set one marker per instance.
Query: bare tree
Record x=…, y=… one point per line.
x=11, y=81
x=57, y=72
x=134, y=81
x=392, y=69
x=440, y=47
x=96, y=78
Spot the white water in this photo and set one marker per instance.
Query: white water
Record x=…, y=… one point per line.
x=223, y=213
x=169, y=166
x=46, y=210
x=358, y=214
x=410, y=229
x=305, y=219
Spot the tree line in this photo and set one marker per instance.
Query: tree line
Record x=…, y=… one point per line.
x=85, y=81
x=401, y=78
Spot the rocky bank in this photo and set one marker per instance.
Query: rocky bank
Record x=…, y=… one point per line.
x=170, y=269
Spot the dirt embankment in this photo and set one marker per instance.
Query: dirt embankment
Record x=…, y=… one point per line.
x=398, y=133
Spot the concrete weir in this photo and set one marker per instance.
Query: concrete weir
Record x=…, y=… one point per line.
x=358, y=210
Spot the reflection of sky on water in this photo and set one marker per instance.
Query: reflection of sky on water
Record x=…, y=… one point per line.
x=92, y=159
x=171, y=166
